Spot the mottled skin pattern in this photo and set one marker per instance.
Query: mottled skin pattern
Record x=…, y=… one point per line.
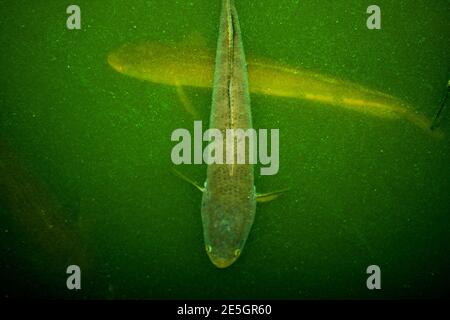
x=229, y=199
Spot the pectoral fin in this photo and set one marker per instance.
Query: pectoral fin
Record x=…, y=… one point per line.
x=194, y=183
x=266, y=197
x=438, y=115
x=186, y=102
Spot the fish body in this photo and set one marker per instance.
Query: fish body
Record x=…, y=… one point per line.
x=229, y=198
x=193, y=66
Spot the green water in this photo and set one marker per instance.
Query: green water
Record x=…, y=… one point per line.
x=363, y=190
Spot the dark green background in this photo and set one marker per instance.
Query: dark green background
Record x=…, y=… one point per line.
x=363, y=190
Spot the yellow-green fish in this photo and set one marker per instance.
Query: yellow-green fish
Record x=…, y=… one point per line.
x=193, y=66
x=229, y=198
x=229, y=195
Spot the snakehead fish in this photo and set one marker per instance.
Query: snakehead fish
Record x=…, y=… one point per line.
x=229, y=198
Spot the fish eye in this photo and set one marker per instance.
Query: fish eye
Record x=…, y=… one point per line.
x=208, y=248
x=237, y=252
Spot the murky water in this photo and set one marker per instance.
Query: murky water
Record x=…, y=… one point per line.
x=85, y=155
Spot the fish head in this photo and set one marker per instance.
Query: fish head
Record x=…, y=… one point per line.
x=164, y=63
x=222, y=258
x=138, y=60
x=226, y=227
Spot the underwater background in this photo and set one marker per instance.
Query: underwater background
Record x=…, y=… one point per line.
x=86, y=175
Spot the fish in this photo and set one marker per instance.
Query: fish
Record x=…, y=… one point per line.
x=229, y=197
x=192, y=65
x=36, y=212
x=229, y=194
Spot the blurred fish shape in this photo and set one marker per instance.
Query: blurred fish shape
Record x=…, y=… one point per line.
x=36, y=213
x=192, y=65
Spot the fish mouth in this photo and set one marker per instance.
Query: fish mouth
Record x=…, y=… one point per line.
x=222, y=263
